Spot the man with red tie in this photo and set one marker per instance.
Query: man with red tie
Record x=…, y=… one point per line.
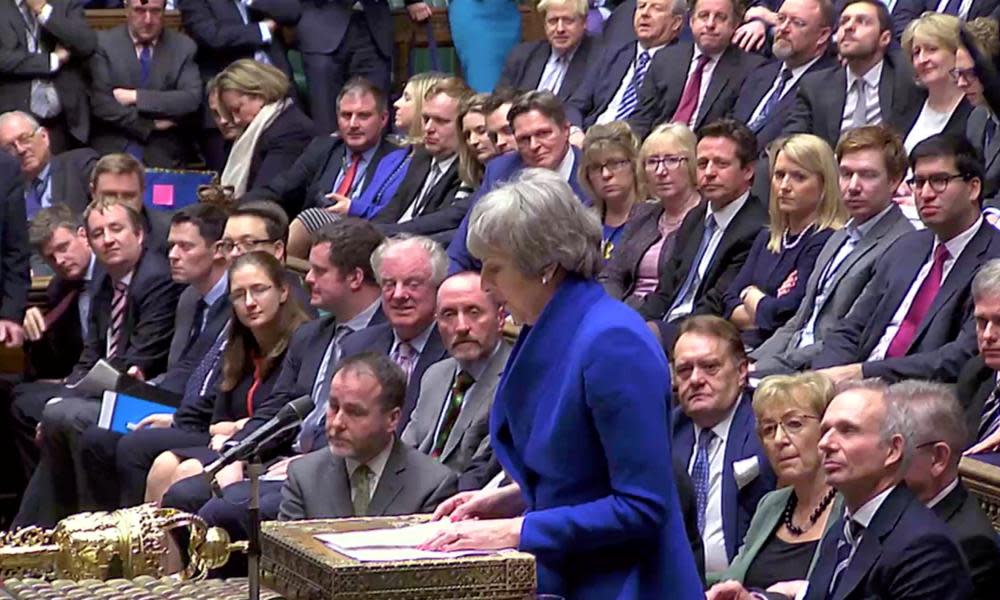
x=914, y=320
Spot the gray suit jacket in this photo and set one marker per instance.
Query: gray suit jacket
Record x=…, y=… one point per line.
x=318, y=486
x=975, y=129
x=780, y=353
x=471, y=430
x=173, y=91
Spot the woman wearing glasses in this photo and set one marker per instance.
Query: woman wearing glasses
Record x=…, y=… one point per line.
x=783, y=539
x=608, y=174
x=266, y=317
x=667, y=174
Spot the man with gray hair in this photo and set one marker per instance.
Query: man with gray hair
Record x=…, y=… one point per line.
x=937, y=435
x=409, y=270
x=979, y=381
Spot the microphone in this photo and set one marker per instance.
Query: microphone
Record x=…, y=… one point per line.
x=287, y=419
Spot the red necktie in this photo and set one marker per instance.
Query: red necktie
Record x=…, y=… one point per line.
x=921, y=304
x=689, y=99
x=345, y=184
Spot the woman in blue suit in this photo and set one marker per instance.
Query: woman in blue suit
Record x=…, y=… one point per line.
x=580, y=421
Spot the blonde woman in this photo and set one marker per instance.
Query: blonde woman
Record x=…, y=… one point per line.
x=474, y=144
x=608, y=174
x=667, y=174
x=409, y=105
x=804, y=209
x=254, y=97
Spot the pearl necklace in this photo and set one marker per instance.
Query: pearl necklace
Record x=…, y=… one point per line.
x=789, y=245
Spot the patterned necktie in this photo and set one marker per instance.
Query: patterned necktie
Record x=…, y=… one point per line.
x=693, y=279
x=688, y=105
x=145, y=62
x=630, y=99
x=772, y=100
x=700, y=475
x=989, y=422
x=197, y=383
x=347, y=181
x=362, y=486
x=845, y=549
x=463, y=381
x=921, y=304
x=197, y=324
x=860, y=118
x=33, y=197
x=118, y=302
x=406, y=357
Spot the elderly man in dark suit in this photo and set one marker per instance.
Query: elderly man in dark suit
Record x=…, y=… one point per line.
x=937, y=435
x=978, y=388
x=42, y=66
x=49, y=178
x=827, y=101
x=872, y=165
x=145, y=84
x=715, y=237
x=915, y=317
x=888, y=544
x=560, y=62
x=696, y=82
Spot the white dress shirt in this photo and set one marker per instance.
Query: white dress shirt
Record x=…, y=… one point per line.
x=713, y=537
x=555, y=70
x=611, y=111
x=873, y=111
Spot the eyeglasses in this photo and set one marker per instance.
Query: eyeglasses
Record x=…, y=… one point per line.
x=795, y=22
x=668, y=161
x=613, y=167
x=939, y=181
x=926, y=444
x=792, y=425
x=243, y=245
x=255, y=292
x=20, y=141
x=967, y=74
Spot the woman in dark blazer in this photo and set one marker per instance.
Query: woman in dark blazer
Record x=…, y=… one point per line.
x=255, y=96
x=804, y=209
x=266, y=316
x=667, y=175
x=587, y=448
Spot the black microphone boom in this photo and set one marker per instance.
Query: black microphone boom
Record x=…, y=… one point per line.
x=287, y=418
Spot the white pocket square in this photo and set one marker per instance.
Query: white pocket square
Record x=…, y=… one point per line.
x=745, y=471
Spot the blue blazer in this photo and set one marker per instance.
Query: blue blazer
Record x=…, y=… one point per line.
x=945, y=339
x=591, y=452
x=499, y=170
x=389, y=173
x=738, y=505
x=592, y=97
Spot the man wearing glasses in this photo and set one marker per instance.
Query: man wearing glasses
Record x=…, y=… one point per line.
x=914, y=319
x=982, y=126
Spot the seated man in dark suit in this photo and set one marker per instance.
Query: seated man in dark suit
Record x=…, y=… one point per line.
x=49, y=178
x=696, y=82
x=715, y=237
x=826, y=103
x=908, y=10
x=715, y=435
x=43, y=58
x=559, y=63
x=872, y=165
x=131, y=324
x=145, y=84
x=611, y=89
x=937, y=434
x=451, y=419
x=541, y=133
x=123, y=178
x=887, y=544
x=915, y=317
x=978, y=385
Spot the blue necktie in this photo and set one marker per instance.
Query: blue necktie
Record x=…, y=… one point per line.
x=198, y=382
x=772, y=100
x=693, y=280
x=314, y=421
x=630, y=99
x=845, y=547
x=700, y=475
x=145, y=62
x=33, y=197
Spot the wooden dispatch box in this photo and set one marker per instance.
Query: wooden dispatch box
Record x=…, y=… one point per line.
x=297, y=565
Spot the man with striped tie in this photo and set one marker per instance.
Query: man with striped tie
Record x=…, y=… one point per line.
x=979, y=382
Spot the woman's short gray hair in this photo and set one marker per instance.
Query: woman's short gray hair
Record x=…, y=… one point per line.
x=538, y=221
x=986, y=283
x=438, y=257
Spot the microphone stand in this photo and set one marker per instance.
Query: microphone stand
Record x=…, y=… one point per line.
x=256, y=469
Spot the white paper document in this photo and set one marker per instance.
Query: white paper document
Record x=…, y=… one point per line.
x=392, y=544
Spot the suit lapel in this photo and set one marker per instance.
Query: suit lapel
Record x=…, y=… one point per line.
x=129, y=57
x=760, y=85
x=723, y=72
x=576, y=71
x=389, y=484
x=838, y=98
x=481, y=393
x=185, y=320
x=340, y=484
x=332, y=168
x=536, y=64
x=950, y=505
x=736, y=449
x=436, y=195
x=413, y=181
x=886, y=86
x=870, y=548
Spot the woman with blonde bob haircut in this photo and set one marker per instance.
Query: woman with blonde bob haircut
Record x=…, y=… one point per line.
x=782, y=542
x=609, y=173
x=667, y=177
x=254, y=96
x=804, y=209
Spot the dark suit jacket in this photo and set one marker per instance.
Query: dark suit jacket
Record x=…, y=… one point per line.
x=731, y=253
x=379, y=338
x=311, y=177
x=664, y=84
x=280, y=145
x=53, y=356
x=755, y=90
x=318, y=486
x=15, y=278
x=323, y=25
x=65, y=27
x=70, y=173
x=619, y=28
x=609, y=67
x=439, y=197
x=905, y=552
x=976, y=382
x=819, y=103
x=149, y=319
x=174, y=91
x=526, y=62
x=975, y=129
x=182, y=358
x=619, y=276
x=908, y=10
x=945, y=339
x=738, y=504
x=976, y=538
